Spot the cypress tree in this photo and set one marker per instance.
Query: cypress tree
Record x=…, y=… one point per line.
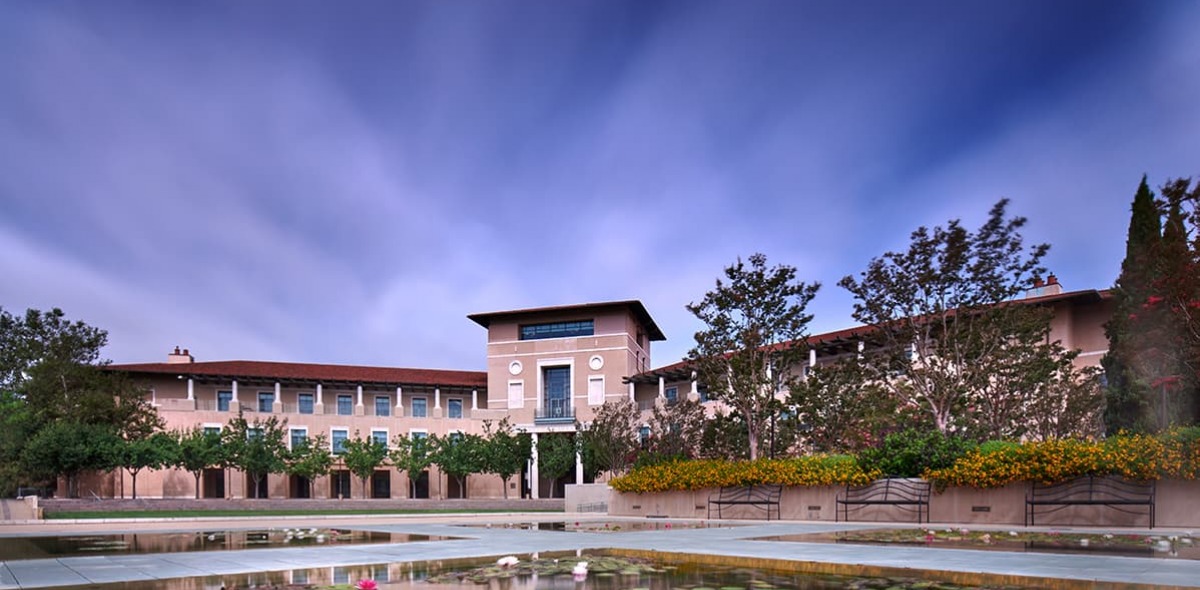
x=1128, y=401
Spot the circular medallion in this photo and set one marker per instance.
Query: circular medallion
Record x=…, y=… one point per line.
x=514, y=367
x=596, y=363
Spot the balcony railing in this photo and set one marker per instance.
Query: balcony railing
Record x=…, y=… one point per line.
x=555, y=410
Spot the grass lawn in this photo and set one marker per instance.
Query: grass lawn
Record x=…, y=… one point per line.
x=90, y=514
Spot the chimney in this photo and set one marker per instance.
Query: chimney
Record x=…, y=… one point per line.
x=1053, y=287
x=1042, y=288
x=176, y=357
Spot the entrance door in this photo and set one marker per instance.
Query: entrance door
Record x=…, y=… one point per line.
x=381, y=484
x=421, y=486
x=339, y=484
x=212, y=482
x=299, y=486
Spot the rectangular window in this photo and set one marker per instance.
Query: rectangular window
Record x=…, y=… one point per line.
x=595, y=390
x=383, y=405
x=337, y=440
x=253, y=433
x=380, y=437
x=454, y=409
x=306, y=403
x=299, y=437
x=672, y=394
x=516, y=395
x=344, y=405
x=212, y=430
x=223, y=399
x=265, y=400
x=556, y=394
x=558, y=330
x=418, y=434
x=418, y=407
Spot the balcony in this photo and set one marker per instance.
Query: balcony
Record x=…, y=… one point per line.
x=556, y=411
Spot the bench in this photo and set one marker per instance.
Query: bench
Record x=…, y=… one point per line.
x=911, y=495
x=1117, y=493
x=762, y=496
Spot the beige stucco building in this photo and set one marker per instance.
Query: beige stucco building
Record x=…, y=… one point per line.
x=547, y=370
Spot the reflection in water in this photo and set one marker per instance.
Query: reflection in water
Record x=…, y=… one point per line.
x=12, y=548
x=605, y=526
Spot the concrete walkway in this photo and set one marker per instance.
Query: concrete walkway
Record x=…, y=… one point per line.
x=1100, y=571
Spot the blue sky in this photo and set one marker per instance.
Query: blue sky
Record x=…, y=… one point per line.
x=345, y=182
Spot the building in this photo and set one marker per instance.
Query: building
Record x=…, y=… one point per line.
x=546, y=370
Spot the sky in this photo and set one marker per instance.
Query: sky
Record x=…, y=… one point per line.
x=343, y=182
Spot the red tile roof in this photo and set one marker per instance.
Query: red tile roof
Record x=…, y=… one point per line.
x=313, y=372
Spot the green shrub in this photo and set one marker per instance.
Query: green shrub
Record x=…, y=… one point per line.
x=911, y=452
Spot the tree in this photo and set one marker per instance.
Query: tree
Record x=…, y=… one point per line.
x=838, y=409
x=16, y=430
x=362, y=456
x=1127, y=396
x=68, y=449
x=310, y=459
x=725, y=437
x=610, y=442
x=153, y=452
x=556, y=456
x=676, y=429
x=459, y=455
x=755, y=335
x=947, y=337
x=412, y=456
x=199, y=449
x=257, y=448
x=505, y=450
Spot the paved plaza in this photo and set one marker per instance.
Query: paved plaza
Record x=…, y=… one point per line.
x=736, y=541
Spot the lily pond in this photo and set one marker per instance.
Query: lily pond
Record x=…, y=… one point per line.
x=12, y=548
x=1172, y=546
x=567, y=571
x=606, y=527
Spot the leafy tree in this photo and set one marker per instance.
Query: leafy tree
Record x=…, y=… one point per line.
x=362, y=456
x=1127, y=395
x=754, y=335
x=310, y=459
x=838, y=409
x=411, y=456
x=676, y=429
x=947, y=339
x=556, y=456
x=16, y=429
x=610, y=442
x=911, y=452
x=199, y=450
x=156, y=451
x=257, y=448
x=505, y=450
x=725, y=437
x=68, y=449
x=459, y=455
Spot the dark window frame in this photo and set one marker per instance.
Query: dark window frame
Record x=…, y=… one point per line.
x=569, y=329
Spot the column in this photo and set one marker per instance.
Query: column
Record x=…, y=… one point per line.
x=399, y=402
x=861, y=346
x=694, y=394
x=812, y=358
x=437, y=397
x=277, y=403
x=319, y=407
x=578, y=467
x=662, y=388
x=359, y=395
x=474, y=399
x=632, y=397
x=359, y=410
x=533, y=467
x=234, y=404
x=233, y=387
x=191, y=389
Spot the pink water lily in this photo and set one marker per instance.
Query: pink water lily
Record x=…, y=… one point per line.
x=366, y=585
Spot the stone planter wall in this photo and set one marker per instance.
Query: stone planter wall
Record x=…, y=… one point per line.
x=1177, y=504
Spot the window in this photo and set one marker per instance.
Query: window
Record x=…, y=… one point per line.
x=299, y=437
x=556, y=382
x=253, y=433
x=265, y=400
x=454, y=409
x=558, y=330
x=383, y=405
x=306, y=403
x=215, y=430
x=223, y=399
x=516, y=395
x=672, y=394
x=418, y=407
x=344, y=405
x=380, y=437
x=338, y=440
x=644, y=436
x=595, y=390
x=419, y=434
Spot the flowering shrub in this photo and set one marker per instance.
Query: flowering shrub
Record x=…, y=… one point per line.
x=815, y=470
x=1174, y=454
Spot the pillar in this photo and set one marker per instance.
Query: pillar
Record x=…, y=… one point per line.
x=277, y=403
x=632, y=397
x=578, y=467
x=662, y=388
x=191, y=389
x=399, y=402
x=359, y=396
x=233, y=387
x=319, y=407
x=437, y=397
x=474, y=399
x=533, y=467
x=812, y=358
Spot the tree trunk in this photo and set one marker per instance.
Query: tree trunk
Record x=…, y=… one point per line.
x=504, y=486
x=197, y=476
x=134, y=474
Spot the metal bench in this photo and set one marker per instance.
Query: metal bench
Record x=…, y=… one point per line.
x=1117, y=493
x=761, y=496
x=911, y=495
